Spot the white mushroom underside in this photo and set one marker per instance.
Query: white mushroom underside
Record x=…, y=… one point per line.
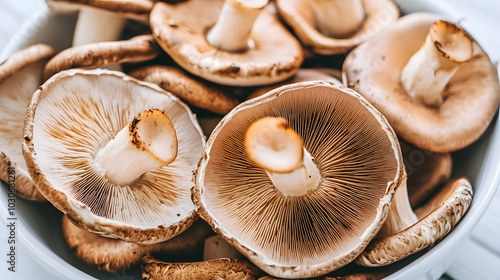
x=72, y=124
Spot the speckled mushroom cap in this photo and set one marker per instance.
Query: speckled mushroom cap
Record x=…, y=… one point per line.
x=72, y=116
x=192, y=91
x=134, y=9
x=20, y=76
x=473, y=93
x=360, y=162
x=136, y=49
x=180, y=29
x=436, y=219
x=299, y=15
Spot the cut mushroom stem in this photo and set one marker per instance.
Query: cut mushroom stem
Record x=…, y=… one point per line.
x=234, y=25
x=429, y=70
x=148, y=142
x=273, y=145
x=338, y=18
x=95, y=26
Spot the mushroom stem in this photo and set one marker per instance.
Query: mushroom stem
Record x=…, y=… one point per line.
x=147, y=142
x=94, y=26
x=273, y=145
x=234, y=25
x=338, y=18
x=429, y=70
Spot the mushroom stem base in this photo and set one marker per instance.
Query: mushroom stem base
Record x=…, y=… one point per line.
x=338, y=18
x=95, y=26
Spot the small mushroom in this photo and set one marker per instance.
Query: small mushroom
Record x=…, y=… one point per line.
x=336, y=26
x=116, y=255
x=190, y=90
x=401, y=63
x=227, y=42
x=228, y=269
x=316, y=210
x=435, y=220
x=20, y=76
x=100, y=21
x=108, y=54
x=96, y=143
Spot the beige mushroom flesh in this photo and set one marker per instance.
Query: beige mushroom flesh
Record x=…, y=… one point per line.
x=115, y=154
x=20, y=76
x=430, y=79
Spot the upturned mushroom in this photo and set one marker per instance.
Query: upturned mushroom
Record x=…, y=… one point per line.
x=96, y=143
x=432, y=81
x=192, y=91
x=20, y=76
x=336, y=26
x=232, y=42
x=104, y=54
x=300, y=179
x=403, y=235
x=116, y=255
x=101, y=21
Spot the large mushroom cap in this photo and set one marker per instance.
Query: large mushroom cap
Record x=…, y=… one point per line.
x=181, y=29
x=71, y=118
x=357, y=154
x=472, y=95
x=20, y=76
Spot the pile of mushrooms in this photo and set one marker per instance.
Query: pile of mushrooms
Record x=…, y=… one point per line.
x=308, y=171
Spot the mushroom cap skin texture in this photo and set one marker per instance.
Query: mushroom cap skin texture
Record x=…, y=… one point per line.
x=133, y=9
x=356, y=152
x=180, y=29
x=136, y=49
x=20, y=76
x=228, y=269
x=299, y=15
x=115, y=255
x=72, y=116
x=473, y=93
x=187, y=88
x=436, y=219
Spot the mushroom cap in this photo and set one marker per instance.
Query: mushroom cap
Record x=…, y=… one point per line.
x=72, y=116
x=192, y=91
x=374, y=68
x=228, y=269
x=20, y=76
x=136, y=49
x=299, y=15
x=436, y=219
x=115, y=255
x=133, y=9
x=360, y=162
x=180, y=30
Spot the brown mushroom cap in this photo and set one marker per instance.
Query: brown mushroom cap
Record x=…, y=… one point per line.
x=180, y=30
x=359, y=159
x=139, y=48
x=116, y=255
x=229, y=269
x=473, y=93
x=187, y=88
x=72, y=116
x=299, y=15
x=436, y=219
x=134, y=9
x=20, y=76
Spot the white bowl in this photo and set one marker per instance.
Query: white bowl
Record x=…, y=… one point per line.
x=39, y=224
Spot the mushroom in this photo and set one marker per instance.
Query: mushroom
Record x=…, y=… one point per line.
x=100, y=21
x=115, y=255
x=96, y=143
x=435, y=220
x=336, y=26
x=217, y=247
x=471, y=97
x=227, y=42
x=20, y=76
x=317, y=209
x=193, y=91
x=109, y=54
x=229, y=269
